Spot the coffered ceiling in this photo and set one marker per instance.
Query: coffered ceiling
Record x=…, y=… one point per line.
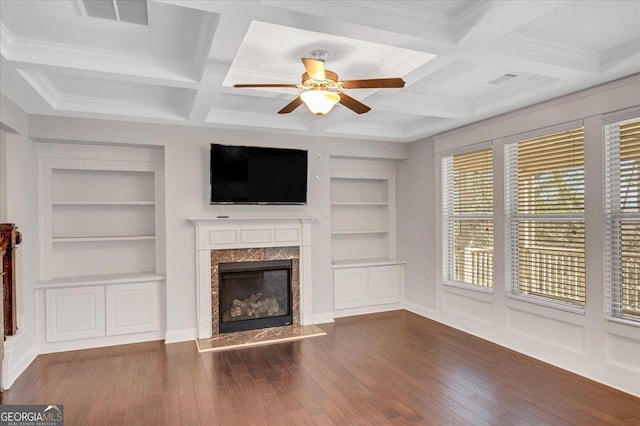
x=462, y=60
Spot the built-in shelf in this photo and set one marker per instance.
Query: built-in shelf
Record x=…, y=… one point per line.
x=102, y=262
x=102, y=203
x=106, y=279
x=366, y=276
x=103, y=239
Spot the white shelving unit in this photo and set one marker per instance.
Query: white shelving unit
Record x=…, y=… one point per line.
x=367, y=275
x=102, y=274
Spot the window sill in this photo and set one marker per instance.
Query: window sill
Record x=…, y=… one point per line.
x=465, y=286
x=541, y=302
x=624, y=321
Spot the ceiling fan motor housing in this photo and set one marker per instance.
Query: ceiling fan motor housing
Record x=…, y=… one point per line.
x=331, y=80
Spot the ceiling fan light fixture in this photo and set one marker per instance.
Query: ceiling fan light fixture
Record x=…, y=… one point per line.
x=320, y=102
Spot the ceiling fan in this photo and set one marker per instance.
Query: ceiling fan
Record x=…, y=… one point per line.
x=323, y=89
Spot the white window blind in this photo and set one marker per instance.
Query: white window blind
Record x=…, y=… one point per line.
x=544, y=189
x=467, y=202
x=622, y=209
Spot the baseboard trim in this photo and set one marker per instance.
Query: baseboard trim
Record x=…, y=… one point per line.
x=421, y=310
x=324, y=318
x=180, y=335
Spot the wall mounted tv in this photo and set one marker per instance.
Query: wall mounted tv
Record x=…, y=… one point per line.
x=257, y=175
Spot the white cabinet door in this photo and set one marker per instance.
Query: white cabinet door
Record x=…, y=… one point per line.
x=132, y=308
x=350, y=288
x=384, y=284
x=74, y=313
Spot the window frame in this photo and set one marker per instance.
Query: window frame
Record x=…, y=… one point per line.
x=613, y=217
x=448, y=219
x=512, y=217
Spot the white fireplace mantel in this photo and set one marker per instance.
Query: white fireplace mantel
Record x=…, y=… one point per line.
x=250, y=232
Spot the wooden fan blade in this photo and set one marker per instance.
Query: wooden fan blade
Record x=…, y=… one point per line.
x=374, y=83
x=291, y=106
x=240, y=86
x=353, y=104
x=315, y=68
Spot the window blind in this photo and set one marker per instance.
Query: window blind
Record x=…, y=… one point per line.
x=468, y=217
x=545, y=217
x=622, y=210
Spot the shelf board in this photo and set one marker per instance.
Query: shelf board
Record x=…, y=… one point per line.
x=102, y=239
x=359, y=203
x=91, y=280
x=361, y=231
x=102, y=203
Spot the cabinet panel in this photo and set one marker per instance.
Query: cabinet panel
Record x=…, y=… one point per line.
x=132, y=308
x=384, y=284
x=74, y=313
x=350, y=288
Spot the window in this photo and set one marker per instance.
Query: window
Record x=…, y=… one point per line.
x=622, y=210
x=544, y=189
x=467, y=202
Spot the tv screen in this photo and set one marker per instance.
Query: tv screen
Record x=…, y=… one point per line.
x=256, y=175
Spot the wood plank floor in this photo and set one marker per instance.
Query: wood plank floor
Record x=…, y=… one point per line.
x=390, y=368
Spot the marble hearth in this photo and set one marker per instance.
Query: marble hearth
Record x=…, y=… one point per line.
x=225, y=240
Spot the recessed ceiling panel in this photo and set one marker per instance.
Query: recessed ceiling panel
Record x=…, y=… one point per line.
x=173, y=32
x=275, y=50
x=610, y=23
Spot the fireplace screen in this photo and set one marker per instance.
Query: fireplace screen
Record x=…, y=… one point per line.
x=254, y=295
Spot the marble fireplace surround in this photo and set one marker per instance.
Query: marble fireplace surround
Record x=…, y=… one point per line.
x=254, y=255
x=229, y=238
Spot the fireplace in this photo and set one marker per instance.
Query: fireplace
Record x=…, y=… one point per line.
x=254, y=295
x=232, y=240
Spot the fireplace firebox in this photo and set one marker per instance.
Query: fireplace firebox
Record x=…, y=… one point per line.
x=254, y=295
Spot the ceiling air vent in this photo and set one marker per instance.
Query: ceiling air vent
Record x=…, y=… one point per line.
x=503, y=78
x=132, y=11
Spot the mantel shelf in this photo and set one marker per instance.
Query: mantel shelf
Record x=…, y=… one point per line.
x=222, y=220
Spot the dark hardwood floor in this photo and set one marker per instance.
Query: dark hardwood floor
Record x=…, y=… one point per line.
x=388, y=368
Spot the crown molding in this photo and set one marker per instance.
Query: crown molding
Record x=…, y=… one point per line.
x=398, y=17
x=203, y=44
x=127, y=66
x=6, y=40
x=623, y=52
x=42, y=85
x=473, y=15
x=257, y=120
x=517, y=88
x=549, y=54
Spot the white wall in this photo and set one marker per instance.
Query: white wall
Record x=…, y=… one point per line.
x=586, y=343
x=186, y=196
x=18, y=204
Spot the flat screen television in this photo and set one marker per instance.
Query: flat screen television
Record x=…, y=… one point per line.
x=257, y=175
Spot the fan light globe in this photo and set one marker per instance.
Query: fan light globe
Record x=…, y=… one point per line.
x=319, y=102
